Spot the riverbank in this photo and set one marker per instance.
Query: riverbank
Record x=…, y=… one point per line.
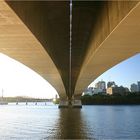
x=111, y=99
x=24, y=99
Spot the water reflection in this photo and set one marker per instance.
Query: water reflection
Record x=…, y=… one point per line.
x=70, y=125
x=43, y=122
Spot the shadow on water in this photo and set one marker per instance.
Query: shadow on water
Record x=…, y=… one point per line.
x=70, y=125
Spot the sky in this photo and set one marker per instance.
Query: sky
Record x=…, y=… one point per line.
x=18, y=80
x=125, y=73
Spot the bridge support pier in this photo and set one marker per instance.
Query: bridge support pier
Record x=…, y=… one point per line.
x=70, y=103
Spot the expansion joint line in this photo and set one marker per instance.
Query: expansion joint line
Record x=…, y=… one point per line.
x=70, y=51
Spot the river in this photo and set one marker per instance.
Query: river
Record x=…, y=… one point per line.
x=42, y=122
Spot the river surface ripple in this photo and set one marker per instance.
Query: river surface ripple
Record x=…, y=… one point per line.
x=42, y=122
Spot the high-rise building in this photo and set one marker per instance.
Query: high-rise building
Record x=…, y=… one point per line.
x=127, y=89
x=110, y=84
x=97, y=91
x=88, y=91
x=101, y=85
x=139, y=86
x=115, y=90
x=134, y=87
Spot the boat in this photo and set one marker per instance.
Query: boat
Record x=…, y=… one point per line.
x=2, y=102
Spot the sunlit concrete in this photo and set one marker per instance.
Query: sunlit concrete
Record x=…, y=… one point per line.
x=104, y=33
x=122, y=43
x=72, y=104
x=49, y=22
x=18, y=42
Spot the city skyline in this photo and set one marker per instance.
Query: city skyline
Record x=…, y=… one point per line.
x=94, y=85
x=124, y=73
x=103, y=87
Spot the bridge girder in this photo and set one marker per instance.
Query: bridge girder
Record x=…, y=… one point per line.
x=96, y=28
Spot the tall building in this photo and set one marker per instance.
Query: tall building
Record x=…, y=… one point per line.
x=134, y=87
x=139, y=86
x=127, y=89
x=110, y=84
x=101, y=85
x=115, y=90
x=97, y=91
x=88, y=91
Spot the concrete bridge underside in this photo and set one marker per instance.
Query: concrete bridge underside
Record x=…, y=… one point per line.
x=103, y=34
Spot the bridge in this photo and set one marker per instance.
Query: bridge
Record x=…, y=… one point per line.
x=70, y=43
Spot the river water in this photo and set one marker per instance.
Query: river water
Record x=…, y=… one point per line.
x=42, y=122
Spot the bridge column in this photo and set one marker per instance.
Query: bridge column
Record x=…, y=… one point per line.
x=73, y=102
x=63, y=102
x=77, y=101
x=77, y=96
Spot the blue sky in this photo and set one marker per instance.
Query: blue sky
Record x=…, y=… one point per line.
x=125, y=73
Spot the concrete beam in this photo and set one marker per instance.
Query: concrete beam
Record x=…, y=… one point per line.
x=49, y=22
x=19, y=43
x=122, y=43
x=93, y=24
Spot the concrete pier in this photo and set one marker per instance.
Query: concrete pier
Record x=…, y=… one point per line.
x=73, y=104
x=76, y=104
x=63, y=104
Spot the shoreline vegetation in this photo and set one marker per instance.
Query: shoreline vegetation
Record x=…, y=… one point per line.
x=24, y=99
x=104, y=99
x=96, y=99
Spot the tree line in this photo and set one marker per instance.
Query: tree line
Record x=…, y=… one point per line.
x=23, y=99
x=98, y=99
